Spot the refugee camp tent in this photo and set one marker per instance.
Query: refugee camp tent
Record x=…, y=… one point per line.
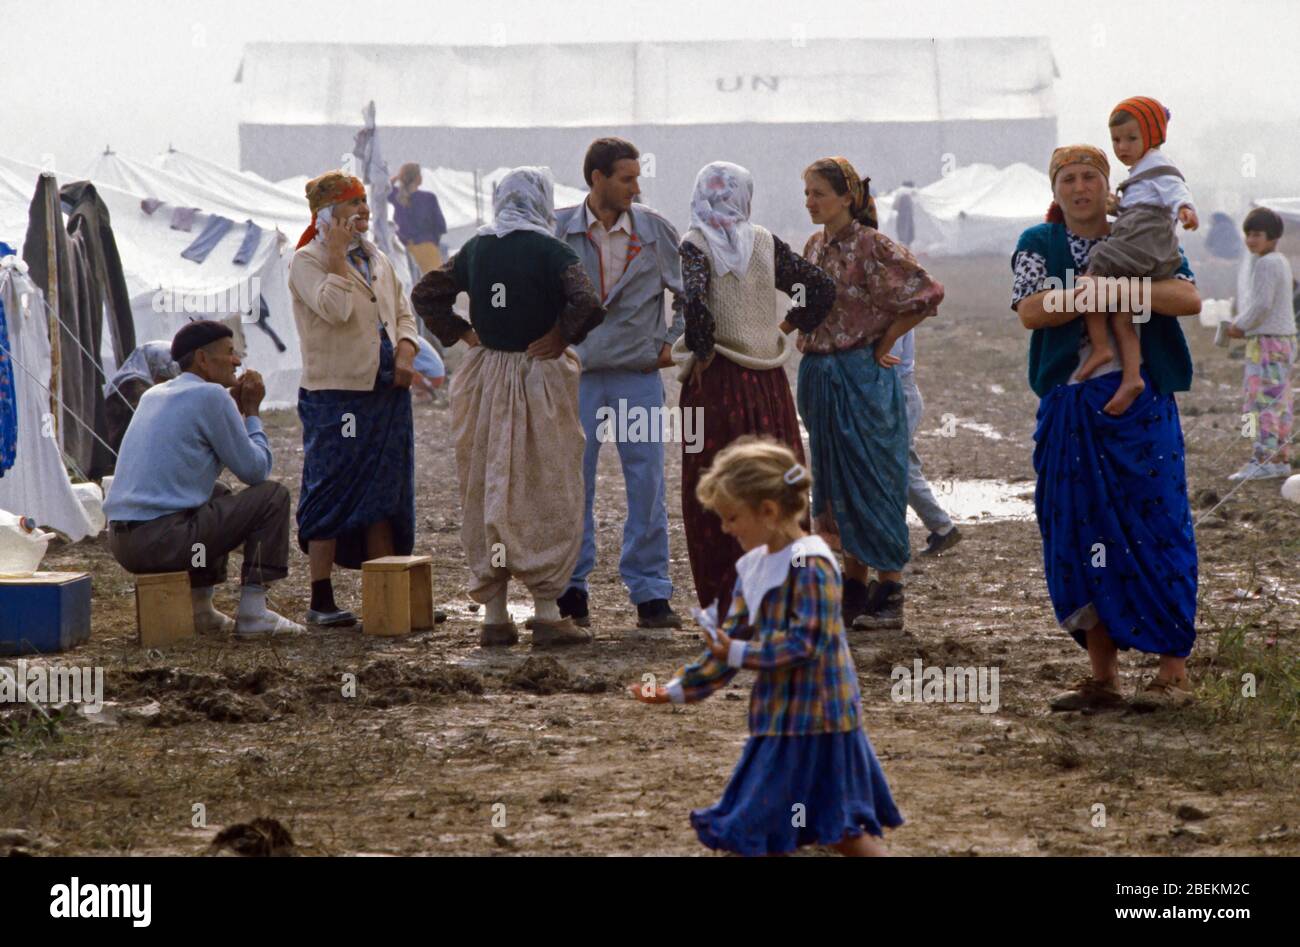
x=975, y=209
x=167, y=289
x=896, y=107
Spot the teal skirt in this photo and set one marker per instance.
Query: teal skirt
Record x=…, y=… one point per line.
x=856, y=418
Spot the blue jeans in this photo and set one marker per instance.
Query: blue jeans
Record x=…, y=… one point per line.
x=919, y=495
x=644, y=562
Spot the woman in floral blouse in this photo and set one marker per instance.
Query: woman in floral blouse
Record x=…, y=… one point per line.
x=849, y=395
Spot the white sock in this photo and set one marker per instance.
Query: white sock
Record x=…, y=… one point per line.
x=495, y=612
x=546, y=609
x=946, y=530
x=252, y=602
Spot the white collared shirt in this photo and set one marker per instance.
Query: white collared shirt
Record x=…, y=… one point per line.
x=1167, y=190
x=612, y=246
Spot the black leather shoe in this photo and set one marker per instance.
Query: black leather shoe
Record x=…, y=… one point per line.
x=657, y=613
x=935, y=543
x=573, y=604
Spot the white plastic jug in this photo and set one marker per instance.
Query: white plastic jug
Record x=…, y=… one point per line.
x=22, y=545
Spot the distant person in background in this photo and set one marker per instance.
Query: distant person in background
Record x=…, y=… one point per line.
x=1221, y=239
x=430, y=373
x=906, y=225
x=1267, y=322
x=943, y=533
x=150, y=364
x=419, y=219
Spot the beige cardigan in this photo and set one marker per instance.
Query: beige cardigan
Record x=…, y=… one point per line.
x=338, y=318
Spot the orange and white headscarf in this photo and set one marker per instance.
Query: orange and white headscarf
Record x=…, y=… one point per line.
x=1074, y=154
x=326, y=190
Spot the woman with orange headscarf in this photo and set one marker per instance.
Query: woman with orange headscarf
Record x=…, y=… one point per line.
x=359, y=342
x=849, y=395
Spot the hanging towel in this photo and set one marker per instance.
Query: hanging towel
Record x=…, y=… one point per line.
x=183, y=218
x=252, y=237
x=216, y=228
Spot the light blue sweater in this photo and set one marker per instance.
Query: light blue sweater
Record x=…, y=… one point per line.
x=183, y=433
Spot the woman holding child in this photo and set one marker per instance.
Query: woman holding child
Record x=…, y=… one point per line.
x=1118, y=546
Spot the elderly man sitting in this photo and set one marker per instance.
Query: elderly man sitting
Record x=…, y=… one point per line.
x=167, y=512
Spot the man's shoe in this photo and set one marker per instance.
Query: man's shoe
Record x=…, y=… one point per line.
x=336, y=619
x=573, y=604
x=556, y=634
x=268, y=623
x=1273, y=471
x=1089, y=694
x=498, y=636
x=657, y=613
x=884, y=610
x=856, y=597
x=936, y=543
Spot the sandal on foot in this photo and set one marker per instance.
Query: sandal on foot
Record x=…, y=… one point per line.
x=498, y=636
x=1089, y=694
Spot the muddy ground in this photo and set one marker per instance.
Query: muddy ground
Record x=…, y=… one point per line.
x=439, y=732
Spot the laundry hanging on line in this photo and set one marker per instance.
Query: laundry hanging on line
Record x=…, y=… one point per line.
x=207, y=240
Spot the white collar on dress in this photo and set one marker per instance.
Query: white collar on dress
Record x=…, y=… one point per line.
x=761, y=571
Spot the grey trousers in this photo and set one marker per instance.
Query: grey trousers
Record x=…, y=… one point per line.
x=919, y=495
x=199, y=541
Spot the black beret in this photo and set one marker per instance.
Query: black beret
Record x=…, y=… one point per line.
x=196, y=334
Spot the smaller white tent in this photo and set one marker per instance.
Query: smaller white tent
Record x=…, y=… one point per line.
x=1288, y=208
x=975, y=209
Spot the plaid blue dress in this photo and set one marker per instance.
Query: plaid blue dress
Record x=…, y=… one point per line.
x=807, y=774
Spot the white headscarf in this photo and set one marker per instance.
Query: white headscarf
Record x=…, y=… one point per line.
x=524, y=200
x=720, y=211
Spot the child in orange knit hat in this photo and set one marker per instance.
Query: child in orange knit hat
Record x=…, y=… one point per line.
x=1143, y=240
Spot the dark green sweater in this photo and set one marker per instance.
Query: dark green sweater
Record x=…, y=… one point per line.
x=1054, y=352
x=516, y=290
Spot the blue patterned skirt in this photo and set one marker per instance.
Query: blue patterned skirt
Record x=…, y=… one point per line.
x=856, y=417
x=835, y=777
x=1118, y=544
x=358, y=465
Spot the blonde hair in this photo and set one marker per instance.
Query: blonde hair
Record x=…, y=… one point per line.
x=752, y=469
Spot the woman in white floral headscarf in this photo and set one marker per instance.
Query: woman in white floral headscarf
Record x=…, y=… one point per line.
x=514, y=401
x=730, y=268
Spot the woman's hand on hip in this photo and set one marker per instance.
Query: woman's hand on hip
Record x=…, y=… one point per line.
x=549, y=346
x=884, y=358
x=698, y=368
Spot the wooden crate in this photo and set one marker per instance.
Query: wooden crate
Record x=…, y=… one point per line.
x=396, y=595
x=164, y=612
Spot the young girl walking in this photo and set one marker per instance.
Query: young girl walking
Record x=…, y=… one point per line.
x=807, y=775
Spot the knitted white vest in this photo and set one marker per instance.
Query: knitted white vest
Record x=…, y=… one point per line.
x=744, y=309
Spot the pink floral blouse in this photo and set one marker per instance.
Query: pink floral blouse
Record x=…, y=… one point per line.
x=877, y=281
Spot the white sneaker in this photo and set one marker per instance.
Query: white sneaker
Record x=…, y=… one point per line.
x=1249, y=471
x=268, y=623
